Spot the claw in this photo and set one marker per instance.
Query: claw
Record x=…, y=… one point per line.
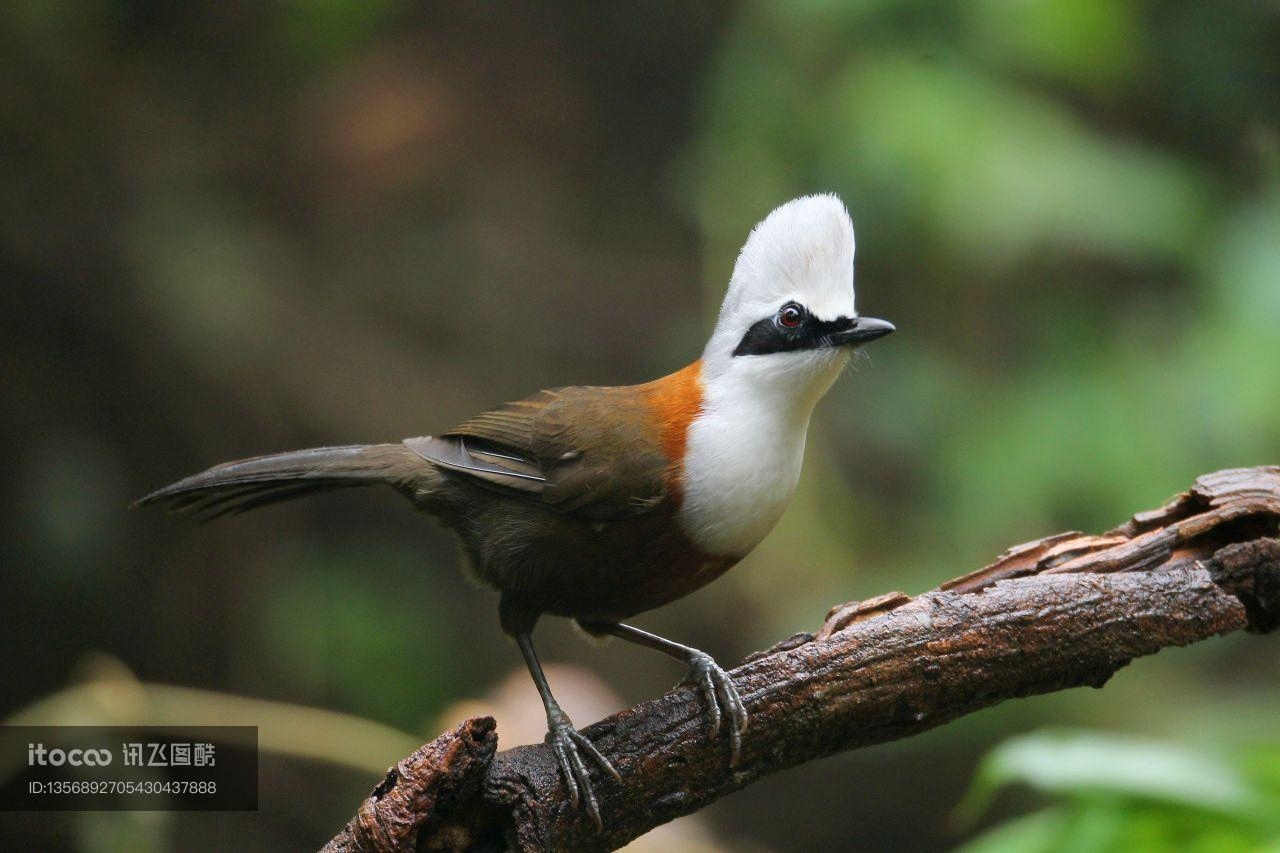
x=590, y=748
x=566, y=769
x=722, y=701
x=568, y=744
x=710, y=692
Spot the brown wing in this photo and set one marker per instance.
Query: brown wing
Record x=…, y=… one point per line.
x=591, y=452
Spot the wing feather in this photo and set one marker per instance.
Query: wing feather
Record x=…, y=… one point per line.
x=580, y=451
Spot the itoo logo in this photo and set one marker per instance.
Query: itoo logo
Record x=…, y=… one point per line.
x=38, y=755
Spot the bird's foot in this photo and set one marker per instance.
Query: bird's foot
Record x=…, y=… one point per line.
x=722, y=700
x=568, y=744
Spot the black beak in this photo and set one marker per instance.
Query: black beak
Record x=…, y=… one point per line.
x=859, y=330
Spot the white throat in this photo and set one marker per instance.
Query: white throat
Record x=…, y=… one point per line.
x=746, y=447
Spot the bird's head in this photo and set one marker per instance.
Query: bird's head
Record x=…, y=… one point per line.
x=788, y=323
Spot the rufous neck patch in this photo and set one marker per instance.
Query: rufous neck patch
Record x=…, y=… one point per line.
x=674, y=401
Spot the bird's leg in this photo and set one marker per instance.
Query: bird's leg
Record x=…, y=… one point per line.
x=716, y=685
x=565, y=740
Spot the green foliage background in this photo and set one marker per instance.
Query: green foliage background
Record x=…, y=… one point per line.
x=234, y=228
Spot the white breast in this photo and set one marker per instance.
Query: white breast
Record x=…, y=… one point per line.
x=743, y=458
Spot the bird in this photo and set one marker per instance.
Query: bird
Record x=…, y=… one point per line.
x=599, y=503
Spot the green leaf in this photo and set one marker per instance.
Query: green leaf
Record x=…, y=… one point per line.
x=1039, y=831
x=1084, y=764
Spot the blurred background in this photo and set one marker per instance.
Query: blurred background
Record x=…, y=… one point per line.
x=232, y=228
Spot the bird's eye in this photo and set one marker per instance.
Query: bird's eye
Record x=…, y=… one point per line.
x=790, y=315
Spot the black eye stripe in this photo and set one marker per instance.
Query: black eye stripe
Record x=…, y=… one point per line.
x=769, y=335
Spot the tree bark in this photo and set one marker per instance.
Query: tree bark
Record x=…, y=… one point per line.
x=1064, y=611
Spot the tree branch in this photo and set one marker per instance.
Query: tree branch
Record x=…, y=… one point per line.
x=1064, y=611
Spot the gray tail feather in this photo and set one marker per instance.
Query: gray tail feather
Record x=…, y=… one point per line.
x=235, y=487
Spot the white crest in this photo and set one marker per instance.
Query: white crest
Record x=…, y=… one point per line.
x=801, y=252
